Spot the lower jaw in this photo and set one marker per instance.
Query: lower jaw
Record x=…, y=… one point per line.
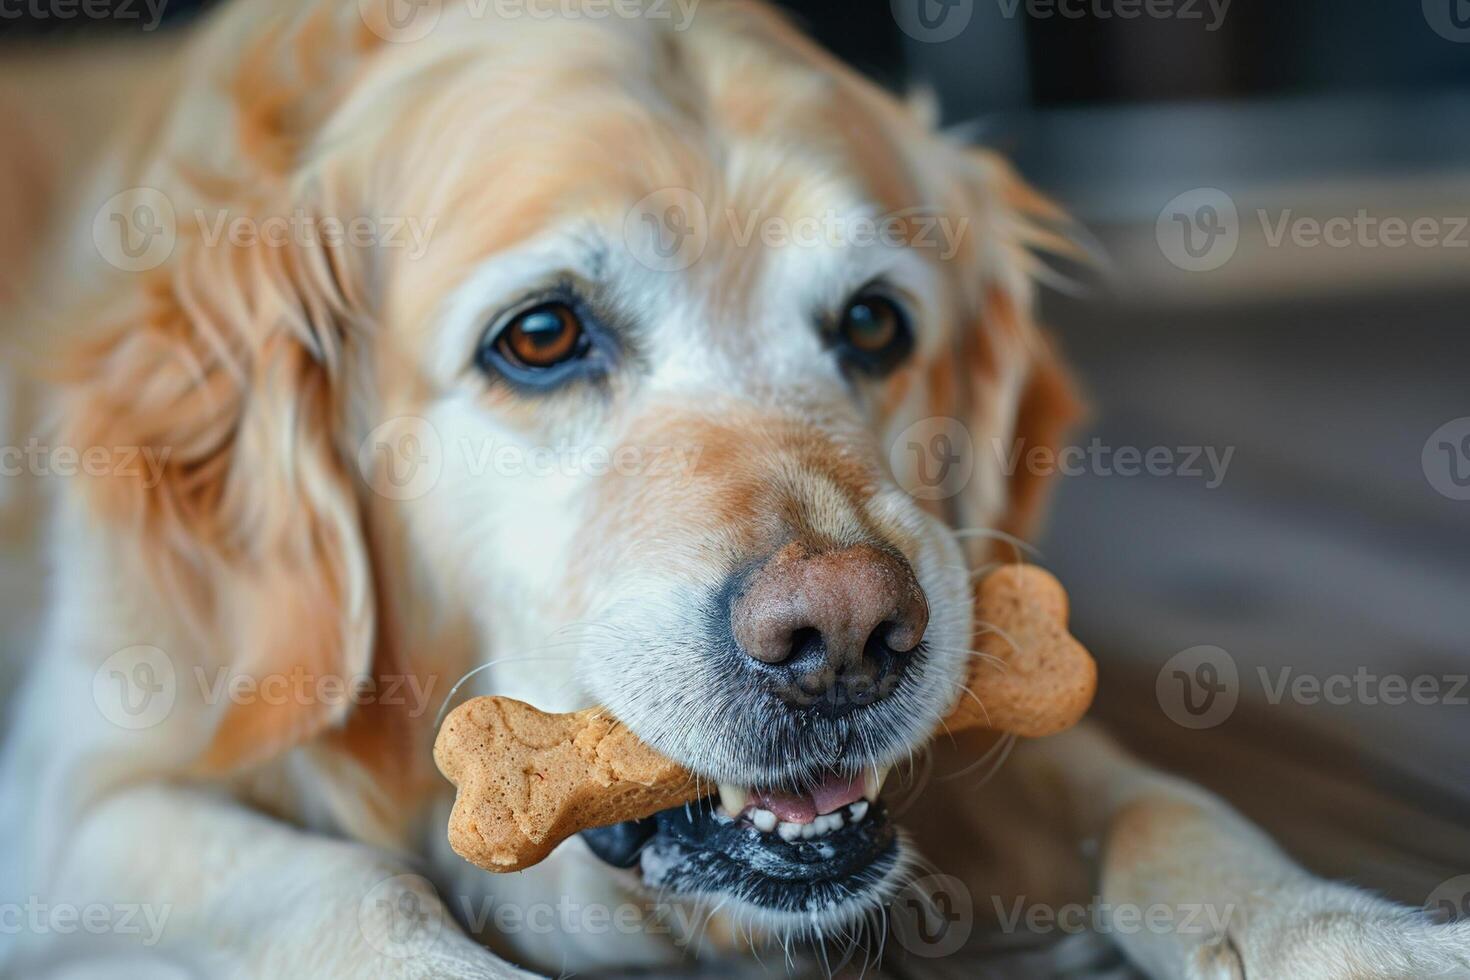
x=806, y=886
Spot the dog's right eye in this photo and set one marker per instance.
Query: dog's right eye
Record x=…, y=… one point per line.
x=542, y=338
x=539, y=346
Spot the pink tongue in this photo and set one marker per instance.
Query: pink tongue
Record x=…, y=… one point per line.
x=834, y=793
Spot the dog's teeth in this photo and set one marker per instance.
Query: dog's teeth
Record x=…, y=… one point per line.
x=858, y=810
x=873, y=783
x=788, y=831
x=808, y=830
x=733, y=799
x=764, y=820
x=830, y=822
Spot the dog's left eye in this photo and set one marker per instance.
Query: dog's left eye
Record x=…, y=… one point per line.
x=539, y=346
x=874, y=333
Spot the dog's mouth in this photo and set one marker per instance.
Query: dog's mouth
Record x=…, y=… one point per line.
x=797, y=860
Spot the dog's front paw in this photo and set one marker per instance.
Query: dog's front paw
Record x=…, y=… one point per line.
x=1333, y=933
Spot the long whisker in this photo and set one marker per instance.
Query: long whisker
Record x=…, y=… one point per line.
x=990, y=533
x=999, y=662
x=449, y=698
x=1002, y=748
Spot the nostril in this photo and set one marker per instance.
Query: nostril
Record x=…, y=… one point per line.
x=804, y=640
x=831, y=610
x=891, y=634
x=904, y=634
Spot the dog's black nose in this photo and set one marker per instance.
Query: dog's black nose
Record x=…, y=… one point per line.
x=838, y=623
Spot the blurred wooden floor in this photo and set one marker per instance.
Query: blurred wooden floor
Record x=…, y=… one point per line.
x=1324, y=550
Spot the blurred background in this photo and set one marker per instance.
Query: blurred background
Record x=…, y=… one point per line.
x=1277, y=192
x=1247, y=172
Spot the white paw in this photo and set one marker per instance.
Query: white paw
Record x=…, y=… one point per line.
x=1334, y=933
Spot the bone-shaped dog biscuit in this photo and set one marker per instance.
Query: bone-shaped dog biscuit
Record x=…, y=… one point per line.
x=528, y=780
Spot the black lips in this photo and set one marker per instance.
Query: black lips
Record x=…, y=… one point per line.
x=691, y=850
x=620, y=844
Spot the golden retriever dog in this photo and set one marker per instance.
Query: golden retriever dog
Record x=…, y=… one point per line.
x=590, y=352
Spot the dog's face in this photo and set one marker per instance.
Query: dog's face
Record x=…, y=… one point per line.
x=682, y=294
x=686, y=365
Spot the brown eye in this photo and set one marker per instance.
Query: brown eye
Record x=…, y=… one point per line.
x=875, y=333
x=543, y=337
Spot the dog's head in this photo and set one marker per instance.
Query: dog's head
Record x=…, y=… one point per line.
x=690, y=356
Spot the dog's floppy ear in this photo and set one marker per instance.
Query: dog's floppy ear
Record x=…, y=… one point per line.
x=1047, y=409
x=1012, y=391
x=225, y=373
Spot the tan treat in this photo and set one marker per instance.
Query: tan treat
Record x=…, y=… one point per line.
x=1033, y=679
x=528, y=780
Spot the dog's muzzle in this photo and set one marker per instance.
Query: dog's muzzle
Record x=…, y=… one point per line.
x=820, y=638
